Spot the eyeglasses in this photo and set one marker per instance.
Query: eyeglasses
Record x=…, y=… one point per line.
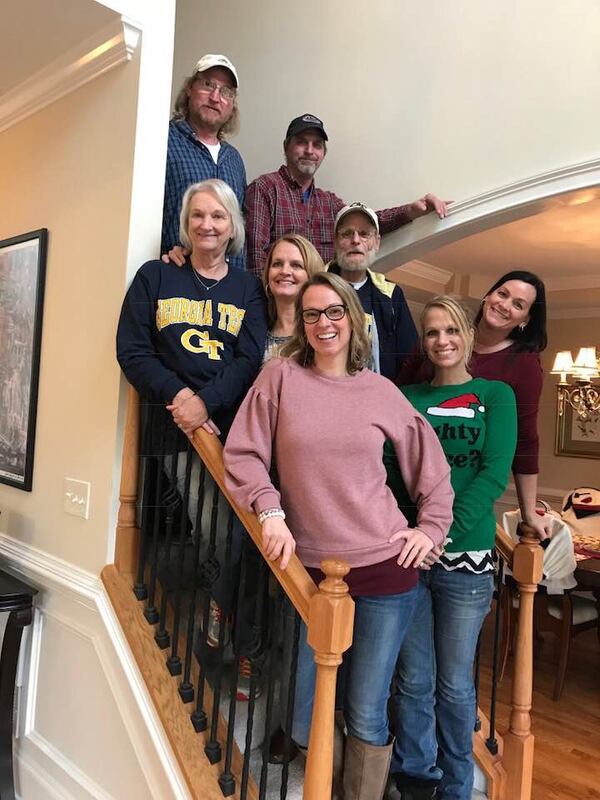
x=225, y=92
x=334, y=312
x=348, y=234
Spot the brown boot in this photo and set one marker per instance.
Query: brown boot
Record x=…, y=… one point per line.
x=366, y=769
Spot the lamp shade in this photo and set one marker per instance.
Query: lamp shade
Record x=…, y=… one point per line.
x=563, y=363
x=586, y=364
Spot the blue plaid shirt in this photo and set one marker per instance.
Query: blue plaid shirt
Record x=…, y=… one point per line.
x=190, y=161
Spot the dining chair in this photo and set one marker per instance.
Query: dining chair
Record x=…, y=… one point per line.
x=565, y=616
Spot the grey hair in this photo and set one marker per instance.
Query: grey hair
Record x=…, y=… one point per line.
x=225, y=195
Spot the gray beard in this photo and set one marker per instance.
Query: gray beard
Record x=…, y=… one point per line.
x=352, y=265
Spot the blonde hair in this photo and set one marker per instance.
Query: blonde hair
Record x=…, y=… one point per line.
x=312, y=261
x=459, y=316
x=359, y=351
x=181, y=110
x=224, y=194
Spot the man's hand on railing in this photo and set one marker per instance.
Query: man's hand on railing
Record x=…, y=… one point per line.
x=539, y=525
x=416, y=547
x=189, y=412
x=278, y=540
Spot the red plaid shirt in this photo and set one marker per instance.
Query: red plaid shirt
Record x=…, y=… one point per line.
x=275, y=206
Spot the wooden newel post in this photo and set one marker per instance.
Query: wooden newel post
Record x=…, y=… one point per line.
x=126, y=546
x=518, y=742
x=330, y=621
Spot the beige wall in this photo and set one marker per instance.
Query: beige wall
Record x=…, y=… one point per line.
x=560, y=472
x=453, y=97
x=69, y=169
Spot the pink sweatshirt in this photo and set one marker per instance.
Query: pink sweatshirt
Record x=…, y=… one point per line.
x=327, y=436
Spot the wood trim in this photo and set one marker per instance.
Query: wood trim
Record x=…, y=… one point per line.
x=188, y=746
x=128, y=534
x=519, y=740
x=295, y=580
x=491, y=766
x=106, y=48
x=330, y=626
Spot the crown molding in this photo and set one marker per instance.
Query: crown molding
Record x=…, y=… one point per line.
x=573, y=313
x=428, y=272
x=487, y=210
x=110, y=46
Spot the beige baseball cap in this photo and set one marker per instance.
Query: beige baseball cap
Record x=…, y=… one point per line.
x=211, y=60
x=362, y=208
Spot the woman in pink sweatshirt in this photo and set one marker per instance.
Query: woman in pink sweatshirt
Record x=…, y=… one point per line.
x=325, y=418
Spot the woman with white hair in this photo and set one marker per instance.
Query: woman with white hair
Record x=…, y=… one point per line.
x=193, y=338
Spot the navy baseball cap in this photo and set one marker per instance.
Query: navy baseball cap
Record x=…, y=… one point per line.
x=304, y=123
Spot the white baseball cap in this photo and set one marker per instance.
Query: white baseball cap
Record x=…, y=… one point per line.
x=211, y=60
x=357, y=207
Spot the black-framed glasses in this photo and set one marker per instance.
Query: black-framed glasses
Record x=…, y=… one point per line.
x=225, y=92
x=333, y=312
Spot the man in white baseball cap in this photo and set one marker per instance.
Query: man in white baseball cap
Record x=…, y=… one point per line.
x=205, y=113
x=389, y=321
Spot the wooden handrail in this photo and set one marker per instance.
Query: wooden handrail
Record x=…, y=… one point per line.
x=295, y=580
x=519, y=740
x=505, y=545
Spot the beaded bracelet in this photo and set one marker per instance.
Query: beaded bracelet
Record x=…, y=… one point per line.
x=271, y=512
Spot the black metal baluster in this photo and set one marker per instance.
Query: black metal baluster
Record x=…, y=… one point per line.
x=161, y=637
x=491, y=742
x=147, y=476
x=276, y=637
x=151, y=612
x=186, y=688
x=255, y=656
x=213, y=747
x=226, y=778
x=174, y=661
x=289, y=717
x=209, y=570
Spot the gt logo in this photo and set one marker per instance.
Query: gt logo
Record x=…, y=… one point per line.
x=205, y=345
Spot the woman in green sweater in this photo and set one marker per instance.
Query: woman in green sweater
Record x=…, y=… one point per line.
x=475, y=420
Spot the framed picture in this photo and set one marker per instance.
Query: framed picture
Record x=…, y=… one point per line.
x=576, y=437
x=22, y=274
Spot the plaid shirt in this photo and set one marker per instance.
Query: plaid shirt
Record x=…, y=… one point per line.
x=275, y=206
x=190, y=161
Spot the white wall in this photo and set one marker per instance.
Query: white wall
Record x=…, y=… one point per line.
x=90, y=168
x=453, y=97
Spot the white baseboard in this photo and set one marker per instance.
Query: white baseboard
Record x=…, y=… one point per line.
x=73, y=602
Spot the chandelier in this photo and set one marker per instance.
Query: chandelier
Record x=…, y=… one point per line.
x=581, y=394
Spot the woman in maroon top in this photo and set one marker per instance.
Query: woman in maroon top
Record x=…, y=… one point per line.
x=510, y=334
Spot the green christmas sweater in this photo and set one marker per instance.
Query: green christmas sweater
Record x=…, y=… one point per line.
x=476, y=423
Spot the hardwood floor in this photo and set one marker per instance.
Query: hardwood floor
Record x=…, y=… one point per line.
x=567, y=732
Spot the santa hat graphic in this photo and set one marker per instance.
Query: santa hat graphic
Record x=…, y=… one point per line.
x=461, y=406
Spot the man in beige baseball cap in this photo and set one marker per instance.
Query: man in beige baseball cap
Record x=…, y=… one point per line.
x=205, y=113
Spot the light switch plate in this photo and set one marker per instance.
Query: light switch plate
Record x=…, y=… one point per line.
x=76, y=497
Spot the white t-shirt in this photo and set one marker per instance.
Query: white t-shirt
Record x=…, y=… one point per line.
x=214, y=150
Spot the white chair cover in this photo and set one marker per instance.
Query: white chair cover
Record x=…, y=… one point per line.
x=559, y=556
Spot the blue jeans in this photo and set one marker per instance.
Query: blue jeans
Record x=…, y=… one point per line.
x=380, y=624
x=433, y=710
